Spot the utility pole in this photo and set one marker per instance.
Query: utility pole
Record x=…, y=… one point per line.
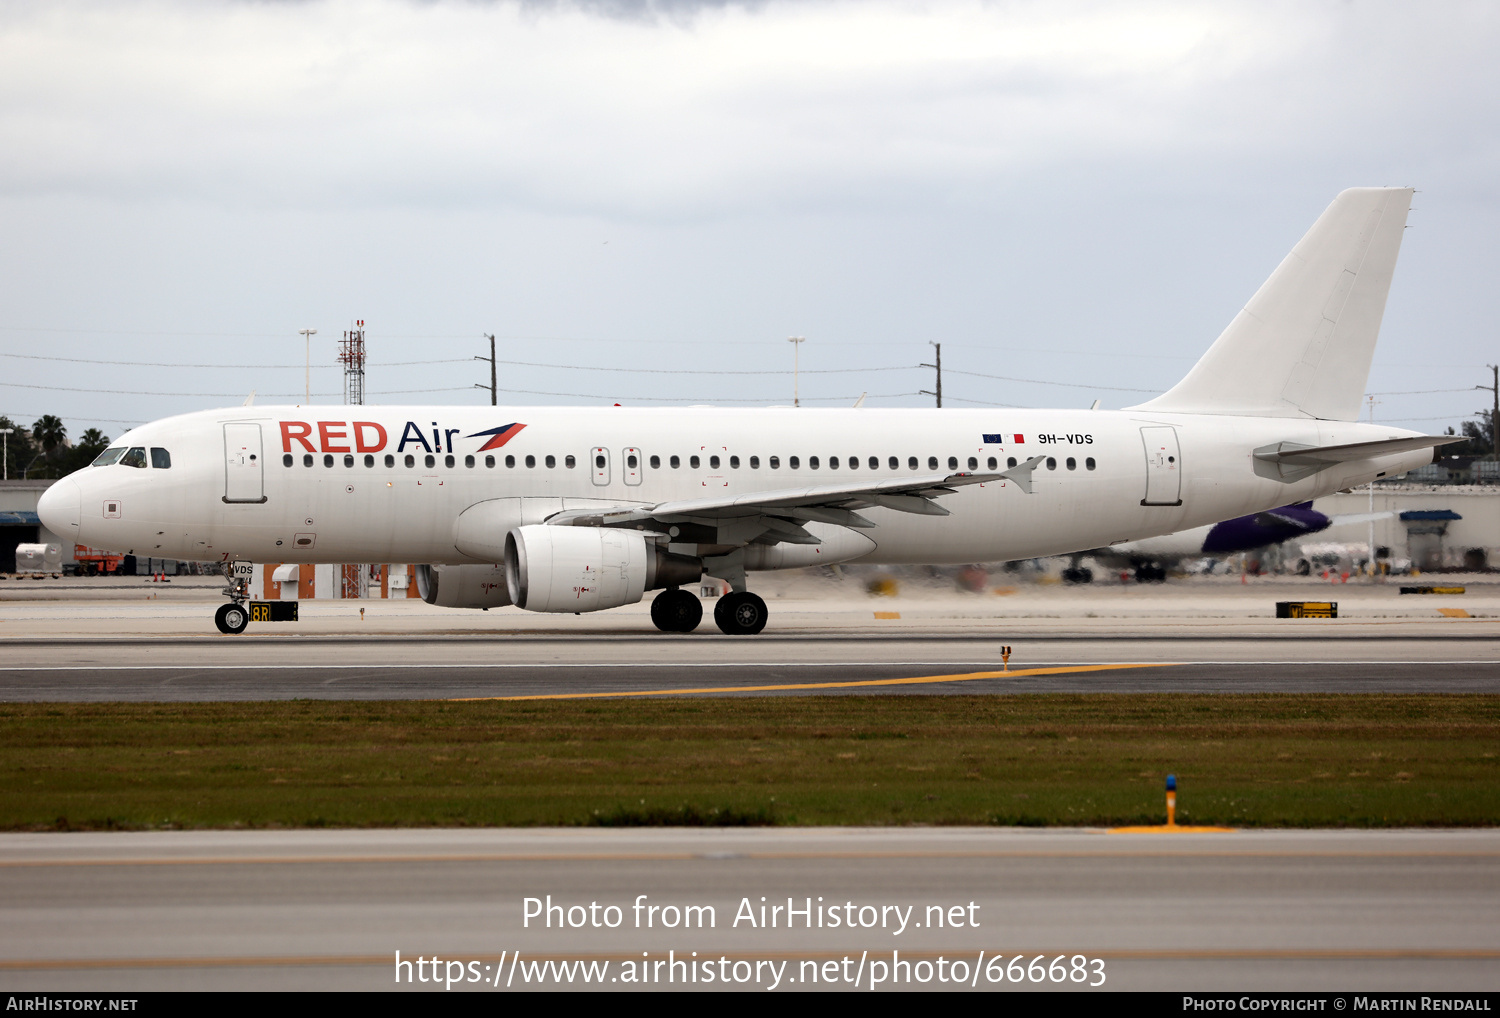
x=796, y=342
x=5, y=446
x=1494, y=412
x=938, y=367
x=494, y=392
x=308, y=334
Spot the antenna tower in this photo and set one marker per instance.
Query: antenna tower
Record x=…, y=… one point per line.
x=352, y=357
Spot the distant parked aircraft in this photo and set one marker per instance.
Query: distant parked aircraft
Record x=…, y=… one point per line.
x=1152, y=557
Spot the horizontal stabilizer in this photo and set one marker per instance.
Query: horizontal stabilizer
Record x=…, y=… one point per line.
x=1291, y=461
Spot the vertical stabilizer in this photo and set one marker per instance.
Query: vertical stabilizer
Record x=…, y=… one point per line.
x=1302, y=346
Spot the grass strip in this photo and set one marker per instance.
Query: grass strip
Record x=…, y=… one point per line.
x=1315, y=760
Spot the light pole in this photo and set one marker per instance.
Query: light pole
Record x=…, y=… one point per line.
x=5, y=434
x=308, y=334
x=796, y=342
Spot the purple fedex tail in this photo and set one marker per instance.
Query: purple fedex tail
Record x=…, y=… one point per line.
x=1258, y=530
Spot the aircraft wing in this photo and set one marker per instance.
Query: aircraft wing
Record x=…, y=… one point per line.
x=781, y=513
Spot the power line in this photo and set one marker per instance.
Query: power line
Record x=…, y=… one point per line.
x=1040, y=381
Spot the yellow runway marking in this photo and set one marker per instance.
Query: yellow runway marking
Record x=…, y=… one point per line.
x=918, y=681
x=362, y=960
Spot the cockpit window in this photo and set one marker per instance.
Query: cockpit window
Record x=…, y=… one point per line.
x=160, y=459
x=134, y=458
x=109, y=457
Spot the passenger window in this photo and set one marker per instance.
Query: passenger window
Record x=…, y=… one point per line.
x=430, y=460
x=1072, y=463
x=390, y=460
x=674, y=462
x=531, y=461
x=287, y=460
x=1010, y=462
x=1089, y=463
x=833, y=462
x=713, y=462
x=369, y=460
x=693, y=462
x=110, y=457
x=598, y=461
x=812, y=462
x=489, y=461
x=655, y=462
x=448, y=460
x=162, y=460
x=911, y=463
x=853, y=462
x=774, y=462
x=993, y=463
x=551, y=462
x=734, y=462
x=932, y=463
x=894, y=463
x=754, y=462
x=630, y=461
x=973, y=462
x=134, y=458
x=952, y=462
x=411, y=460
x=570, y=462
x=510, y=461
x=307, y=459
x=468, y=461
x=1051, y=463
x=328, y=459
x=348, y=459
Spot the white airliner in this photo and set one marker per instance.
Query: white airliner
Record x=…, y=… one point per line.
x=572, y=509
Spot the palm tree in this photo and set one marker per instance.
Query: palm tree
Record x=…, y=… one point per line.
x=49, y=433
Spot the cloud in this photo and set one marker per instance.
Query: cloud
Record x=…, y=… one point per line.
x=668, y=109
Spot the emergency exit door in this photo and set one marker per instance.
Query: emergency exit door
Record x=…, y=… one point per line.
x=1163, y=467
x=599, y=464
x=244, y=476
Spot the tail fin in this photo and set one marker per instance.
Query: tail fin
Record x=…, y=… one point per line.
x=1302, y=346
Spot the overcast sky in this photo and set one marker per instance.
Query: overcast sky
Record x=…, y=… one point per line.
x=1077, y=197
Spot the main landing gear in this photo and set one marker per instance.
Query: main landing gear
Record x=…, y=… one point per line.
x=739, y=613
x=676, y=611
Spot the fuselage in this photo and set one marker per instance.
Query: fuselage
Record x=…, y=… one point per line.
x=389, y=484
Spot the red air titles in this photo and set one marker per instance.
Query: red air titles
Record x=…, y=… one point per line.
x=334, y=436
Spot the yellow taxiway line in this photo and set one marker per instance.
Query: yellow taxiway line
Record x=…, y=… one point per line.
x=920, y=680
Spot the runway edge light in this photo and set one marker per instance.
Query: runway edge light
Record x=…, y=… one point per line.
x=1171, y=800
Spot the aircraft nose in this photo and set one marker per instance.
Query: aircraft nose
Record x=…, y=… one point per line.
x=60, y=507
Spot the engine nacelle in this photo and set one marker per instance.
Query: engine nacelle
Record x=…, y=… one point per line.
x=463, y=586
x=585, y=569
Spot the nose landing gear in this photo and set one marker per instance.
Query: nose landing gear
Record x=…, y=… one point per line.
x=232, y=618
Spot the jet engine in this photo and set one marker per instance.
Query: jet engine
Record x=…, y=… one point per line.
x=463, y=586
x=585, y=569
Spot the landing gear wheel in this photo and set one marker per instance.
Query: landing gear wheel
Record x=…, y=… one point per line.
x=676, y=611
x=740, y=613
x=232, y=618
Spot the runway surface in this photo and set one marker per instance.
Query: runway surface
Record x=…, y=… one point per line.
x=80, y=643
x=329, y=909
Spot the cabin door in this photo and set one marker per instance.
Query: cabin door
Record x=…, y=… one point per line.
x=1163, y=467
x=244, y=477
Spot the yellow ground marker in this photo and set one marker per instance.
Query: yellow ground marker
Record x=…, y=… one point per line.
x=918, y=681
x=887, y=615
x=1171, y=826
x=1454, y=613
